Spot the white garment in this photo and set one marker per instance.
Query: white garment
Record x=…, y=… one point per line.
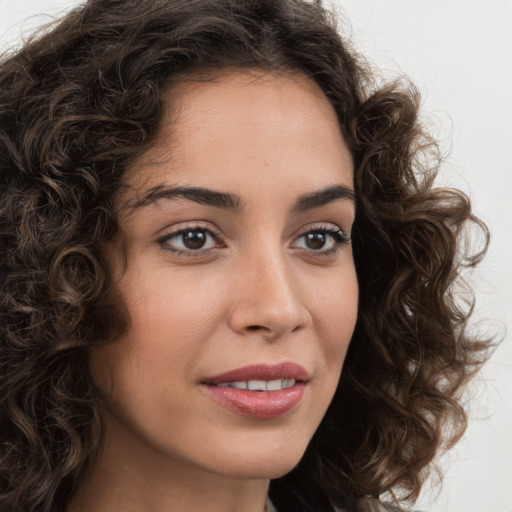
x=270, y=506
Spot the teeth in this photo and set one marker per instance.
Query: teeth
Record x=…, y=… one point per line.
x=288, y=383
x=274, y=385
x=259, y=385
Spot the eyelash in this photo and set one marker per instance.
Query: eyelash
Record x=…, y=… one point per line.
x=339, y=237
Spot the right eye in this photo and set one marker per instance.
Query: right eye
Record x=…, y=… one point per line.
x=190, y=241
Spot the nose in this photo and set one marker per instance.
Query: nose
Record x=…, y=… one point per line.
x=266, y=298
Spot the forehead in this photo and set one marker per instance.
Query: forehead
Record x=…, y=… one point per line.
x=225, y=132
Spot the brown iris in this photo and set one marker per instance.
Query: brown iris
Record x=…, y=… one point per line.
x=194, y=239
x=315, y=240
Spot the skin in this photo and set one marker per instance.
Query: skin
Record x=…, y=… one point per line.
x=258, y=294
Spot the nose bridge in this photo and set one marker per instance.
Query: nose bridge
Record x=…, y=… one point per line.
x=267, y=297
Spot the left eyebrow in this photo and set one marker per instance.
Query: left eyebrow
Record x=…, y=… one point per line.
x=323, y=197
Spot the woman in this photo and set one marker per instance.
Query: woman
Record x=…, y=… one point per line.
x=227, y=273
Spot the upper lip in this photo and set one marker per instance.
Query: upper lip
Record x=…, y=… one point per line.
x=266, y=372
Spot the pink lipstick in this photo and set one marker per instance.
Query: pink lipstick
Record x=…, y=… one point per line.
x=259, y=391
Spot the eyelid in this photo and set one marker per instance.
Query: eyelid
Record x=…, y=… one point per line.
x=322, y=226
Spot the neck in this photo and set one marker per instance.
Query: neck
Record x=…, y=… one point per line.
x=131, y=476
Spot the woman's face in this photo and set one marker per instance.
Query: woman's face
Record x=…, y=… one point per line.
x=239, y=274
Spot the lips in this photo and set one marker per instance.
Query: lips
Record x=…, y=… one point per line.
x=259, y=391
x=262, y=372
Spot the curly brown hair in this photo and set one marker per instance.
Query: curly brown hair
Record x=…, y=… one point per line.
x=82, y=101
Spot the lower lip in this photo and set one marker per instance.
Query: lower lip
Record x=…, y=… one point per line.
x=258, y=404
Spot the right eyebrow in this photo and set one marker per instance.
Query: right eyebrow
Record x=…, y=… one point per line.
x=199, y=195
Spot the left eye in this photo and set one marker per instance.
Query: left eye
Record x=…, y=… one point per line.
x=321, y=240
x=189, y=240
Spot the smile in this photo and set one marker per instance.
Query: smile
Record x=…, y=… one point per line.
x=259, y=391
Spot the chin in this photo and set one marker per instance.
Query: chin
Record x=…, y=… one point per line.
x=264, y=462
x=262, y=471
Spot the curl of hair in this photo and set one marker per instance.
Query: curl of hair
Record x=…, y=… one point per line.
x=82, y=102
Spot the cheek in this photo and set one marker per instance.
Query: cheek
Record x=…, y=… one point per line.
x=171, y=319
x=335, y=314
x=176, y=306
x=334, y=307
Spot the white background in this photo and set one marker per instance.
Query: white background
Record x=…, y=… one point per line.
x=459, y=53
